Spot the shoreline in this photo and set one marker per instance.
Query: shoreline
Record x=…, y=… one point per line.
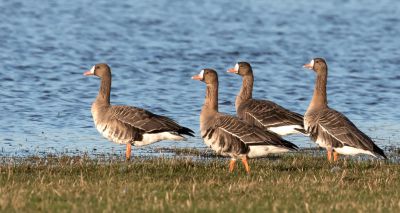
x=392, y=152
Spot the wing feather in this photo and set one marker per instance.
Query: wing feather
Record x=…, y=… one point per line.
x=336, y=127
x=266, y=114
x=342, y=129
x=238, y=131
x=147, y=121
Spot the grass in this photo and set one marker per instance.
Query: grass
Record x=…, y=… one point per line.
x=287, y=183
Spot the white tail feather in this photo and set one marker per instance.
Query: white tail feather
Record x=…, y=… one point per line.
x=347, y=150
x=155, y=137
x=262, y=151
x=286, y=130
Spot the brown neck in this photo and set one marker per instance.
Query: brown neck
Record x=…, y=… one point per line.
x=319, y=99
x=246, y=92
x=105, y=89
x=211, y=100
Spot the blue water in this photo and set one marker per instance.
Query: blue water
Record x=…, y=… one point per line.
x=154, y=47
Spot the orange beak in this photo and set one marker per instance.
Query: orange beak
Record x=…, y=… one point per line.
x=197, y=77
x=308, y=66
x=87, y=73
x=231, y=70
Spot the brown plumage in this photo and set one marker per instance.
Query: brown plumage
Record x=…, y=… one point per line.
x=331, y=129
x=263, y=113
x=126, y=124
x=228, y=135
x=232, y=137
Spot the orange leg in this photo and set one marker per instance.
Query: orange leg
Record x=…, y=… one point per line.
x=246, y=165
x=335, y=156
x=232, y=165
x=128, y=151
x=329, y=152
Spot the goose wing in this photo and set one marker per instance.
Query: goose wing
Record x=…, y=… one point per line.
x=266, y=114
x=147, y=121
x=233, y=130
x=342, y=130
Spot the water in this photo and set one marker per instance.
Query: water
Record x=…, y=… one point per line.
x=154, y=47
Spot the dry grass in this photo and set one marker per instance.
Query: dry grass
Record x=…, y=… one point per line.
x=291, y=183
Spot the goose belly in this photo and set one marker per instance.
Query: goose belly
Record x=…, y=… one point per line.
x=348, y=150
x=112, y=134
x=262, y=151
x=111, y=129
x=285, y=130
x=322, y=143
x=119, y=136
x=214, y=145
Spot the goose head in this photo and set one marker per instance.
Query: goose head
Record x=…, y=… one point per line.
x=242, y=69
x=208, y=76
x=99, y=70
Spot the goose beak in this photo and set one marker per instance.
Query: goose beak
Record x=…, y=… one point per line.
x=90, y=72
x=87, y=73
x=232, y=70
x=197, y=77
x=308, y=66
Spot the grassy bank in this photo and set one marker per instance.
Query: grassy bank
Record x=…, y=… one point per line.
x=297, y=182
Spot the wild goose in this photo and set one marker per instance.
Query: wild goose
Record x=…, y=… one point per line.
x=331, y=129
x=263, y=113
x=228, y=135
x=126, y=124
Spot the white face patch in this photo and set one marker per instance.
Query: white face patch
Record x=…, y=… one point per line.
x=312, y=63
x=201, y=74
x=92, y=70
x=236, y=67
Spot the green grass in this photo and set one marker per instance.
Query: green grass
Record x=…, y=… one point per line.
x=291, y=183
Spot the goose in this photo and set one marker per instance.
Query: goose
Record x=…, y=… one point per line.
x=127, y=124
x=228, y=135
x=329, y=128
x=263, y=113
